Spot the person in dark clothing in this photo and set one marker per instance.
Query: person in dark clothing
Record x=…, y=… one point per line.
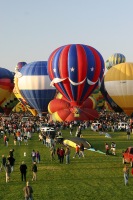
x=23, y=170
x=11, y=159
x=3, y=162
x=61, y=154
x=34, y=170
x=11, y=152
x=28, y=191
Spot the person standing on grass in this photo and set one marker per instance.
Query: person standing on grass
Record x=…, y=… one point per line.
x=3, y=162
x=38, y=157
x=8, y=171
x=107, y=148
x=67, y=154
x=28, y=191
x=33, y=155
x=128, y=133
x=61, y=154
x=23, y=170
x=34, y=170
x=11, y=159
x=126, y=174
x=52, y=152
x=5, y=137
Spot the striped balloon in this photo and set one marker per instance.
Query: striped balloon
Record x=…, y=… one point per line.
x=34, y=85
x=75, y=70
x=115, y=59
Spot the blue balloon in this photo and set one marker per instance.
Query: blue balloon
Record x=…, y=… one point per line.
x=34, y=85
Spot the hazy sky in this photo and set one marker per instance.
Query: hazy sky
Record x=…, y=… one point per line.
x=31, y=29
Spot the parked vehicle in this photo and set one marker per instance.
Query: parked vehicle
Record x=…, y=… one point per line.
x=50, y=131
x=95, y=126
x=128, y=156
x=122, y=126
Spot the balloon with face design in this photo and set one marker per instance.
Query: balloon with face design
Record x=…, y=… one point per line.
x=75, y=70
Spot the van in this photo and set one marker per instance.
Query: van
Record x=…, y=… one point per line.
x=50, y=131
x=122, y=126
x=95, y=126
x=25, y=119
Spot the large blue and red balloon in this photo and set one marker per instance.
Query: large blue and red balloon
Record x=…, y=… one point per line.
x=75, y=70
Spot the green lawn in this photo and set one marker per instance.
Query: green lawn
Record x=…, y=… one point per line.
x=95, y=177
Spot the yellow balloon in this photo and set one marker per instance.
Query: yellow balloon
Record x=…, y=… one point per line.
x=119, y=85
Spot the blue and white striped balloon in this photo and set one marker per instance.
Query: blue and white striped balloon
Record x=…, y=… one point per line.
x=34, y=85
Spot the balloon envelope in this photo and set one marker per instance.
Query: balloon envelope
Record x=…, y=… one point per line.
x=108, y=99
x=34, y=85
x=119, y=85
x=75, y=70
x=115, y=59
x=6, y=84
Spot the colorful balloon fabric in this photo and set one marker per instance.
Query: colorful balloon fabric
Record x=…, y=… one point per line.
x=119, y=85
x=19, y=108
x=62, y=110
x=9, y=104
x=75, y=71
x=115, y=59
x=97, y=95
x=6, y=84
x=109, y=100
x=34, y=85
x=20, y=65
x=17, y=91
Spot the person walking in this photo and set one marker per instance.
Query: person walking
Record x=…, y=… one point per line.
x=76, y=151
x=34, y=170
x=81, y=150
x=28, y=191
x=126, y=174
x=23, y=170
x=52, y=152
x=8, y=171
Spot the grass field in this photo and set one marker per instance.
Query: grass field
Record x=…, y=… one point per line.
x=95, y=177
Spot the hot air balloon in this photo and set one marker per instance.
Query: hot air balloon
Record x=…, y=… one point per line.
x=97, y=95
x=75, y=70
x=115, y=59
x=20, y=65
x=62, y=111
x=109, y=100
x=6, y=84
x=118, y=83
x=9, y=104
x=17, y=92
x=34, y=85
x=19, y=108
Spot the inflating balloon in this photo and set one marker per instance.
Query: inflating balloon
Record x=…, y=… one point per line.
x=62, y=111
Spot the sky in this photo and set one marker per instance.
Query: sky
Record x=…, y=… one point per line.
x=30, y=30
